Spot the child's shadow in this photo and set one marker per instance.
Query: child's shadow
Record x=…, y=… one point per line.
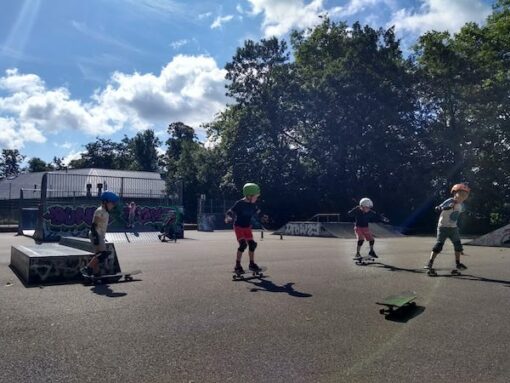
x=267, y=285
x=106, y=291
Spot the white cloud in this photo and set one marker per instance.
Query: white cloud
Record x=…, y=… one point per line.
x=178, y=43
x=353, y=7
x=239, y=8
x=65, y=145
x=72, y=156
x=281, y=16
x=204, y=15
x=440, y=15
x=188, y=89
x=220, y=20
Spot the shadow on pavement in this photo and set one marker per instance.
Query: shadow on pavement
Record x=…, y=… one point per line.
x=267, y=285
x=106, y=291
x=467, y=277
x=405, y=314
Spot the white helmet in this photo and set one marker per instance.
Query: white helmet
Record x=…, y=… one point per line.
x=366, y=202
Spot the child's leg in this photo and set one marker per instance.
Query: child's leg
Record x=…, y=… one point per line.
x=438, y=247
x=459, y=250
x=252, y=245
x=240, y=250
x=370, y=238
x=360, y=239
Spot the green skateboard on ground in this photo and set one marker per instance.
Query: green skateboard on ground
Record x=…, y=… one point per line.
x=396, y=302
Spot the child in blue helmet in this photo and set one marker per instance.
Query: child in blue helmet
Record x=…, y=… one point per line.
x=98, y=232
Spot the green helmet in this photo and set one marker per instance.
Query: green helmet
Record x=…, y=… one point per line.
x=250, y=189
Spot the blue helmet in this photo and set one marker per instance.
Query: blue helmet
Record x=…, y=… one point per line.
x=109, y=196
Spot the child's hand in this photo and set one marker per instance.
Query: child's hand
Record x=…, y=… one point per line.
x=228, y=219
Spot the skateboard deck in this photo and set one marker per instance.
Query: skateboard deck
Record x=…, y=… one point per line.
x=432, y=272
x=254, y=274
x=109, y=278
x=363, y=261
x=396, y=302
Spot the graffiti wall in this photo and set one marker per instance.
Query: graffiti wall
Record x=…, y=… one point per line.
x=64, y=220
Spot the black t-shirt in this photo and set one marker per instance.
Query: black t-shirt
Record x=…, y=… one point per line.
x=362, y=219
x=244, y=212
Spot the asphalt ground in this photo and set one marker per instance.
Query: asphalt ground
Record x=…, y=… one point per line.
x=312, y=319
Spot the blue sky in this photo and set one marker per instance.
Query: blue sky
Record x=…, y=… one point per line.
x=71, y=70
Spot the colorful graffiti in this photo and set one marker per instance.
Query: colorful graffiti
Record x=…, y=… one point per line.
x=62, y=220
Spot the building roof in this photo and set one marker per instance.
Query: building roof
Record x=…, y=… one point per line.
x=129, y=183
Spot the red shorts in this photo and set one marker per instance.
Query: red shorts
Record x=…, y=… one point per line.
x=363, y=233
x=243, y=233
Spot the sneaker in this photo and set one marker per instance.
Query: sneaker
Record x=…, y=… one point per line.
x=254, y=267
x=357, y=256
x=460, y=266
x=428, y=266
x=86, y=271
x=372, y=254
x=239, y=269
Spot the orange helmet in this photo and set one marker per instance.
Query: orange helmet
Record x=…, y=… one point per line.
x=462, y=187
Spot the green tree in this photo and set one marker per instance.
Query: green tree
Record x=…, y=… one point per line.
x=10, y=162
x=144, y=148
x=35, y=164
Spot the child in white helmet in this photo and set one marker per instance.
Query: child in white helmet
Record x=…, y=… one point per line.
x=363, y=214
x=450, y=210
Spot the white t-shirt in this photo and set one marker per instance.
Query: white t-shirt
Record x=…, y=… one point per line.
x=101, y=218
x=449, y=218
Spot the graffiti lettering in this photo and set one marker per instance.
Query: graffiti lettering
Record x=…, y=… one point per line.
x=307, y=229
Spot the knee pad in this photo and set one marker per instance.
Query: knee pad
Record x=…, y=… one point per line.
x=438, y=247
x=242, y=245
x=360, y=242
x=457, y=246
x=252, y=245
x=372, y=242
x=103, y=255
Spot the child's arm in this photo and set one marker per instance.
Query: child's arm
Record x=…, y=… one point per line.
x=230, y=214
x=446, y=205
x=353, y=211
x=93, y=231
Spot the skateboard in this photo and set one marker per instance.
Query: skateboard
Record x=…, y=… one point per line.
x=363, y=261
x=254, y=274
x=111, y=278
x=396, y=302
x=432, y=272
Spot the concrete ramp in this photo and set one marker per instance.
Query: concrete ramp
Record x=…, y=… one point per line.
x=335, y=229
x=496, y=238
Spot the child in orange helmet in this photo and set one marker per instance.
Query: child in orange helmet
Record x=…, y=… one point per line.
x=450, y=210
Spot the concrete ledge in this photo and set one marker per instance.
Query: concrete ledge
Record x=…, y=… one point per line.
x=55, y=263
x=48, y=263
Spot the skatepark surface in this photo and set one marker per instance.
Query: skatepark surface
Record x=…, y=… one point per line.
x=312, y=319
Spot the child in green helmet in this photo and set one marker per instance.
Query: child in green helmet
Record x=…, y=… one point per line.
x=241, y=214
